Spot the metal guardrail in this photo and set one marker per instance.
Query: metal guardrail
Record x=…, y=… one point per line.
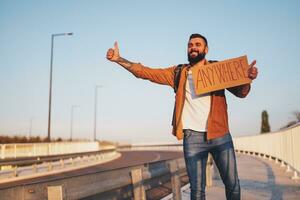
x=15, y=163
x=282, y=146
x=123, y=183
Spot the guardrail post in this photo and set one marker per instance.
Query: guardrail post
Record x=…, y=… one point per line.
x=3, y=151
x=295, y=177
x=282, y=164
x=15, y=150
x=15, y=171
x=270, y=158
x=55, y=192
x=50, y=166
x=72, y=161
x=137, y=182
x=34, y=168
x=259, y=155
x=62, y=163
x=288, y=168
x=209, y=171
x=175, y=180
x=34, y=149
x=265, y=157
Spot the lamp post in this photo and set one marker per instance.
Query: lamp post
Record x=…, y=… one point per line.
x=72, y=114
x=95, y=117
x=50, y=90
x=30, y=128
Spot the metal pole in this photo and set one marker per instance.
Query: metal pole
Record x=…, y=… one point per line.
x=30, y=128
x=50, y=90
x=72, y=114
x=95, y=113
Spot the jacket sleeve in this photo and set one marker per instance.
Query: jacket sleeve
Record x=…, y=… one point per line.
x=163, y=76
x=240, y=91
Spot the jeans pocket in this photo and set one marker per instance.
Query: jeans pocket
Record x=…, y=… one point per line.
x=187, y=134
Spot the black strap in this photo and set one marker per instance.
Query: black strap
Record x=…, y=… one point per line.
x=177, y=72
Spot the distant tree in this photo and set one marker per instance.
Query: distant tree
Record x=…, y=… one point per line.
x=265, y=126
x=297, y=115
x=23, y=139
x=291, y=123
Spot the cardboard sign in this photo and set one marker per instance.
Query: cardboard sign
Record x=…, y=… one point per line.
x=220, y=75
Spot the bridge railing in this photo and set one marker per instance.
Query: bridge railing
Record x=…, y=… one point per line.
x=283, y=146
x=44, y=149
x=23, y=167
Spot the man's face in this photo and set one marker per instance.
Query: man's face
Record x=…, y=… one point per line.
x=197, y=49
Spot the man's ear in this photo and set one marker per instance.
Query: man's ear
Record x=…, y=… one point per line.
x=206, y=50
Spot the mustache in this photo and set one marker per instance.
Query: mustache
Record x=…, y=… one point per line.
x=194, y=51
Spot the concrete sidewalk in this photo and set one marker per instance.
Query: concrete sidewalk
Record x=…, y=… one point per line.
x=259, y=179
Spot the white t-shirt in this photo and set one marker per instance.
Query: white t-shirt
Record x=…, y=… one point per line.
x=196, y=107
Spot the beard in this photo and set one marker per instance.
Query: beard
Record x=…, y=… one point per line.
x=198, y=58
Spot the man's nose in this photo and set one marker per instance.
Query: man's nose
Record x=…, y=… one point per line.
x=194, y=49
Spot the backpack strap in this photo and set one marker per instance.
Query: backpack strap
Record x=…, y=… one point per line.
x=177, y=72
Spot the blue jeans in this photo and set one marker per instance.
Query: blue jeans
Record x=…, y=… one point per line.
x=196, y=149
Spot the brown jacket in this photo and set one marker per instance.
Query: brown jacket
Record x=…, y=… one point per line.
x=217, y=124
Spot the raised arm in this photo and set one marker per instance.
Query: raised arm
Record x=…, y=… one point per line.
x=161, y=76
x=113, y=54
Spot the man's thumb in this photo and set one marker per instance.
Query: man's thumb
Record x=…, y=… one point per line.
x=253, y=63
x=116, y=45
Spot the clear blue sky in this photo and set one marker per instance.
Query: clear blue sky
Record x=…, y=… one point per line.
x=154, y=33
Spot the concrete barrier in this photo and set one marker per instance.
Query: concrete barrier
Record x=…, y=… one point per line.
x=44, y=149
x=159, y=147
x=282, y=145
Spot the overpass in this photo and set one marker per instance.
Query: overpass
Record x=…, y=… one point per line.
x=268, y=167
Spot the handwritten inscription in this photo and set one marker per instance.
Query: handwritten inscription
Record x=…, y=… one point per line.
x=220, y=75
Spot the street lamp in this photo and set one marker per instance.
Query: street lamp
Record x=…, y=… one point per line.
x=72, y=114
x=95, y=117
x=30, y=128
x=50, y=90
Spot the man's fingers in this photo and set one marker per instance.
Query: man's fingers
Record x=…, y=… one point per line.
x=110, y=53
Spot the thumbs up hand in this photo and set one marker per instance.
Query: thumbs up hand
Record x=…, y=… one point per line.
x=252, y=72
x=113, y=53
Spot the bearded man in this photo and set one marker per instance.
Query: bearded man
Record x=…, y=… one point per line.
x=200, y=120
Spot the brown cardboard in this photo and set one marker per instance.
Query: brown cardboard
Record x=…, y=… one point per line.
x=220, y=75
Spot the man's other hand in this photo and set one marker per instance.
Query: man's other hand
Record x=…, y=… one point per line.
x=252, y=71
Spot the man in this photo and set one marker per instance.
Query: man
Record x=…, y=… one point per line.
x=201, y=120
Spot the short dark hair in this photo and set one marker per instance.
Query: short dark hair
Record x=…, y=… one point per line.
x=197, y=35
